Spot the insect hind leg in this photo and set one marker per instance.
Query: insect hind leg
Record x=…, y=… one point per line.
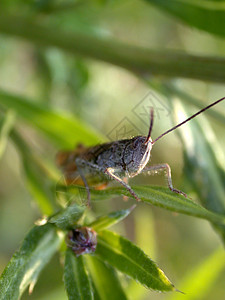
x=168, y=176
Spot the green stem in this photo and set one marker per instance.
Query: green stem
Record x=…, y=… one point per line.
x=140, y=60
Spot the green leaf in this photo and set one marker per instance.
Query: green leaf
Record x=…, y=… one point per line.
x=6, y=125
x=131, y=260
x=67, y=217
x=62, y=129
x=112, y=218
x=204, y=158
x=38, y=188
x=198, y=282
x=143, y=218
x=25, y=266
x=104, y=279
x=204, y=163
x=158, y=196
x=170, y=90
x=76, y=279
x=38, y=183
x=210, y=19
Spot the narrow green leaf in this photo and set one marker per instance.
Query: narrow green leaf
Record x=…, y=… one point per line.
x=131, y=260
x=62, y=129
x=112, y=218
x=210, y=19
x=38, y=183
x=204, y=163
x=170, y=90
x=143, y=218
x=158, y=196
x=198, y=282
x=104, y=279
x=25, y=266
x=67, y=217
x=6, y=125
x=204, y=158
x=76, y=278
x=38, y=187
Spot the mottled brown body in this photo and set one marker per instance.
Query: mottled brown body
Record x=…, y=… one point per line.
x=127, y=157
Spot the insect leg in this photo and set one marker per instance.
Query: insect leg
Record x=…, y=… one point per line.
x=168, y=176
x=80, y=163
x=110, y=172
x=125, y=179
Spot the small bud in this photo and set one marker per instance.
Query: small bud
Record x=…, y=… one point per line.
x=82, y=240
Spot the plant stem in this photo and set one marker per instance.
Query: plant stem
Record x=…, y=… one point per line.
x=139, y=60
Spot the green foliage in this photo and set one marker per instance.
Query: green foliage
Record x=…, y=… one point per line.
x=67, y=217
x=201, y=145
x=6, y=125
x=158, y=196
x=104, y=222
x=76, y=279
x=58, y=127
x=210, y=19
x=140, y=60
x=119, y=268
x=39, y=185
x=25, y=266
x=107, y=282
x=122, y=254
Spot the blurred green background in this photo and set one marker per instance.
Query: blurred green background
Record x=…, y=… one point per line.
x=101, y=95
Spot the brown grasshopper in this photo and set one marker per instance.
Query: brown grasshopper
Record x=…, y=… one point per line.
x=116, y=160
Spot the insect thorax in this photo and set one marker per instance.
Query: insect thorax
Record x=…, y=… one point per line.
x=126, y=157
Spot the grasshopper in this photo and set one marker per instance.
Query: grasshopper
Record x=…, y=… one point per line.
x=118, y=160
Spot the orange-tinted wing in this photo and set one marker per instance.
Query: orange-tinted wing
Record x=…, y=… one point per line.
x=65, y=160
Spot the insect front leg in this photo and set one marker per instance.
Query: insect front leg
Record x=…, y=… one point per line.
x=110, y=172
x=168, y=176
x=80, y=163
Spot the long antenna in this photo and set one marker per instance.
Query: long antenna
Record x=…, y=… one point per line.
x=151, y=125
x=185, y=121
